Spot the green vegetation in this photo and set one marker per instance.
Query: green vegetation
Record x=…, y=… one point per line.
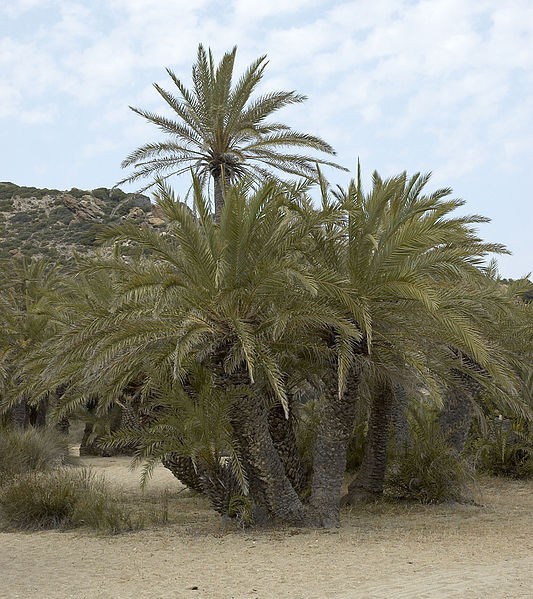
x=428, y=470
x=38, y=490
x=29, y=451
x=8, y=190
x=263, y=351
x=64, y=498
x=504, y=449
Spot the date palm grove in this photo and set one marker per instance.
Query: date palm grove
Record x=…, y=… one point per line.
x=253, y=340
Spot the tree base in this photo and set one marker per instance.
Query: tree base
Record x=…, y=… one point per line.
x=359, y=495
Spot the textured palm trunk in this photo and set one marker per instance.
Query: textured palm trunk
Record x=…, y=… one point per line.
x=219, y=195
x=457, y=412
x=370, y=479
x=63, y=426
x=271, y=466
x=215, y=481
x=283, y=434
x=91, y=444
x=269, y=484
x=400, y=421
x=182, y=467
x=24, y=415
x=19, y=415
x=337, y=421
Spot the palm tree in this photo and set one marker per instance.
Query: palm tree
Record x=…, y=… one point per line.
x=464, y=396
x=366, y=293
x=231, y=299
x=220, y=130
x=399, y=253
x=27, y=295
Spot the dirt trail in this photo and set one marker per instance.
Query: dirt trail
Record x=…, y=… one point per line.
x=380, y=551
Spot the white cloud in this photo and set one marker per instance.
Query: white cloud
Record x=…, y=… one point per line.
x=442, y=82
x=38, y=116
x=26, y=74
x=16, y=8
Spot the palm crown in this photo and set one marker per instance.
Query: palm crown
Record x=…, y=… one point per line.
x=221, y=132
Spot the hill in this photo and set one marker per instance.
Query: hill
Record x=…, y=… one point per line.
x=57, y=223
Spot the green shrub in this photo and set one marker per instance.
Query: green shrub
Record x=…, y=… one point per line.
x=31, y=450
x=8, y=190
x=61, y=214
x=137, y=200
x=77, y=193
x=116, y=194
x=88, y=235
x=22, y=217
x=428, y=470
x=102, y=193
x=504, y=452
x=63, y=498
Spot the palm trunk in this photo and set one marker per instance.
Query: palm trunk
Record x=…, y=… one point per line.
x=337, y=421
x=400, y=422
x=284, y=438
x=39, y=413
x=215, y=481
x=457, y=412
x=269, y=485
x=370, y=479
x=63, y=424
x=91, y=443
x=219, y=195
x=183, y=469
x=19, y=415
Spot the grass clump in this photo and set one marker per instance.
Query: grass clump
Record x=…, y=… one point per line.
x=62, y=498
x=428, y=470
x=40, y=490
x=31, y=450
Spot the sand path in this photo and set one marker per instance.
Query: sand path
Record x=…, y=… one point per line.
x=380, y=551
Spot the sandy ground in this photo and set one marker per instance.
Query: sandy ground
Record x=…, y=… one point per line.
x=380, y=551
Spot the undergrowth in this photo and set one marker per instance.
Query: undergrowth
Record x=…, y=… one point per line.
x=31, y=450
x=504, y=451
x=428, y=470
x=38, y=489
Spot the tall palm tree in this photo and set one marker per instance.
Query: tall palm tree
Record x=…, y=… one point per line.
x=232, y=299
x=399, y=252
x=220, y=131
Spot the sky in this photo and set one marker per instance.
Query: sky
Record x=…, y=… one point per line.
x=404, y=85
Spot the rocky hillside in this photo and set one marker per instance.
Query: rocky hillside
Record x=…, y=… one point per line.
x=57, y=223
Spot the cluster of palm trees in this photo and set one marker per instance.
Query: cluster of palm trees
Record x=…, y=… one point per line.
x=220, y=331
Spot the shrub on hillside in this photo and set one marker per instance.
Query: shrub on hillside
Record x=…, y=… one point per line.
x=6, y=204
x=77, y=193
x=22, y=217
x=61, y=214
x=101, y=193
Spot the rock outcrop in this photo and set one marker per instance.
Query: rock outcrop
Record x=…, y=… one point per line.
x=58, y=223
